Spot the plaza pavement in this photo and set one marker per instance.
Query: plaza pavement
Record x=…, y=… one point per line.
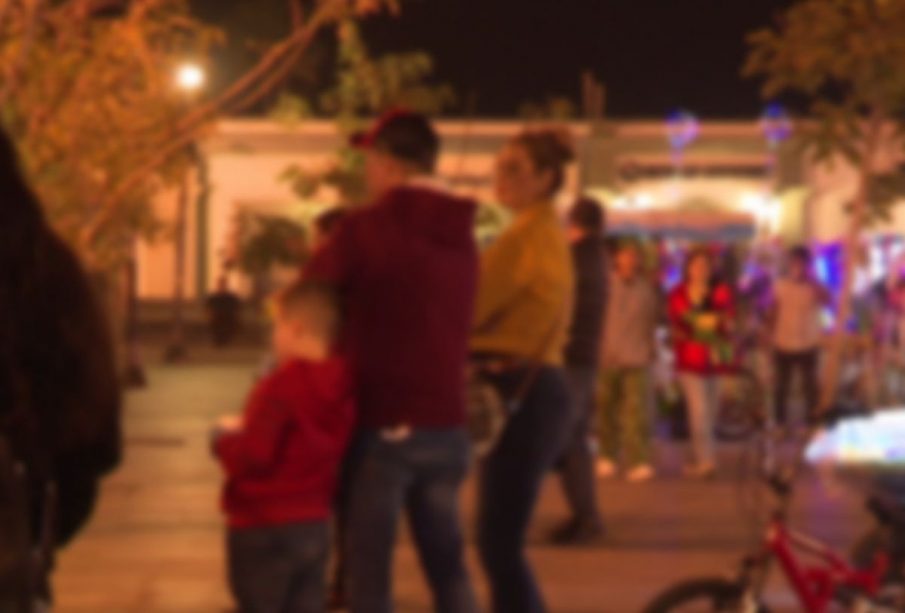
x=155, y=544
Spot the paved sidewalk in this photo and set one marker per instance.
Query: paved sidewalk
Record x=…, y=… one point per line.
x=156, y=541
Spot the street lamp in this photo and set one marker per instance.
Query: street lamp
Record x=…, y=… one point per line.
x=190, y=78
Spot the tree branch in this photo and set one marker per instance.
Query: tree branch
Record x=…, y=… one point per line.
x=232, y=100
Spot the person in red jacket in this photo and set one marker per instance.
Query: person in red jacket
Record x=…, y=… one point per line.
x=407, y=266
x=282, y=460
x=701, y=315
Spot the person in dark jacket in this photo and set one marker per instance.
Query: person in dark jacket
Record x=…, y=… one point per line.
x=407, y=265
x=59, y=392
x=586, y=227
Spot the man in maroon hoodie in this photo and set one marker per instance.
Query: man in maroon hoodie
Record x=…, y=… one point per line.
x=407, y=266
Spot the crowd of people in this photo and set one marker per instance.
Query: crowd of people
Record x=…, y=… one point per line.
x=560, y=320
x=362, y=417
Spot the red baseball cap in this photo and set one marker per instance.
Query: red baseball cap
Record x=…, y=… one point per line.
x=403, y=134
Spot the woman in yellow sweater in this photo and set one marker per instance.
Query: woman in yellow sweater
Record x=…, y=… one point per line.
x=523, y=317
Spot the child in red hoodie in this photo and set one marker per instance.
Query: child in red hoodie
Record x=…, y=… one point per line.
x=282, y=458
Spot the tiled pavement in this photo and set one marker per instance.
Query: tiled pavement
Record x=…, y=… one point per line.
x=155, y=544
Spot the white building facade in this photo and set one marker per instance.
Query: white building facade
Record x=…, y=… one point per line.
x=728, y=174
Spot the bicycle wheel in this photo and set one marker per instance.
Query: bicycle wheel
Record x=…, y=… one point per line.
x=707, y=595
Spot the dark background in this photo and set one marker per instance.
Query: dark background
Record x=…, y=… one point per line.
x=653, y=55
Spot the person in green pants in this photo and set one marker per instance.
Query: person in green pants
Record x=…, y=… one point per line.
x=627, y=354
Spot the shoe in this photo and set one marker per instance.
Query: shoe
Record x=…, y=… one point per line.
x=640, y=474
x=605, y=468
x=705, y=470
x=574, y=534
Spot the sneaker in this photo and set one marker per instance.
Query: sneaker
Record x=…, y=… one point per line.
x=704, y=470
x=605, y=468
x=640, y=474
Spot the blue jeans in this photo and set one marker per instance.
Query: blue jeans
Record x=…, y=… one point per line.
x=511, y=477
x=576, y=467
x=279, y=569
x=423, y=474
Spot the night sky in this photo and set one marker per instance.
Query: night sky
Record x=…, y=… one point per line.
x=653, y=55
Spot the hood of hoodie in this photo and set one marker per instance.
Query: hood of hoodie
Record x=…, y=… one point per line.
x=330, y=380
x=438, y=215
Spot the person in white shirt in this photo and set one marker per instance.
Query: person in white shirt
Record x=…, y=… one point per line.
x=798, y=299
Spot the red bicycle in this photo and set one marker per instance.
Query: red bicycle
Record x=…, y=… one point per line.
x=831, y=584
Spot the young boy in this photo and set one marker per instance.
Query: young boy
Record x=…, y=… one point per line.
x=282, y=460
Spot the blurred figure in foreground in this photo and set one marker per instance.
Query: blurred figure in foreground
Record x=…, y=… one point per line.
x=59, y=392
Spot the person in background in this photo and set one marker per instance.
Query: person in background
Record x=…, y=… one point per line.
x=60, y=396
x=407, y=265
x=701, y=314
x=627, y=356
x=282, y=460
x=523, y=318
x=796, y=332
x=223, y=310
x=576, y=467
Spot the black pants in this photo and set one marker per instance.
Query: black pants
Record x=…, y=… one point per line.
x=785, y=366
x=576, y=467
x=279, y=569
x=510, y=482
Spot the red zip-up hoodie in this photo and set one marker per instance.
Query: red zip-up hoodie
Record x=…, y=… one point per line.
x=282, y=466
x=408, y=268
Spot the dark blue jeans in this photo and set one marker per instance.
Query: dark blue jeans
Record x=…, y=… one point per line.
x=576, y=467
x=511, y=477
x=422, y=473
x=279, y=569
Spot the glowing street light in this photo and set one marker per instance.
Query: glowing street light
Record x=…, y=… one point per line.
x=190, y=77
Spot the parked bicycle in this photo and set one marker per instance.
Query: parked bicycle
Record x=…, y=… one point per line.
x=823, y=580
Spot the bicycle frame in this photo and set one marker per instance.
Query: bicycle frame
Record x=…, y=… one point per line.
x=816, y=585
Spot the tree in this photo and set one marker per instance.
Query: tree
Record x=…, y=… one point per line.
x=556, y=108
x=264, y=242
x=364, y=86
x=87, y=93
x=847, y=58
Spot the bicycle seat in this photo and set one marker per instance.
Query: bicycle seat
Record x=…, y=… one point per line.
x=887, y=512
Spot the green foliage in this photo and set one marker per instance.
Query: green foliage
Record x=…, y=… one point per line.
x=87, y=99
x=554, y=108
x=366, y=86
x=87, y=91
x=266, y=241
x=848, y=58
x=490, y=222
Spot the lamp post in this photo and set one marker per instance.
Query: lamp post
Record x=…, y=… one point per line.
x=190, y=78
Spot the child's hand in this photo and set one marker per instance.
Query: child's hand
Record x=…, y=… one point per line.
x=227, y=424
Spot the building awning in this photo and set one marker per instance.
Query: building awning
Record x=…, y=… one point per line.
x=689, y=225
